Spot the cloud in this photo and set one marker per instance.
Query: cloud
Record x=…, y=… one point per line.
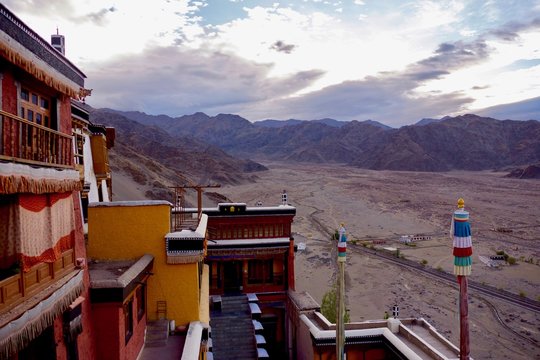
x=176, y=82
x=57, y=8
x=452, y=56
x=280, y=46
x=389, y=98
x=522, y=110
x=98, y=18
x=509, y=32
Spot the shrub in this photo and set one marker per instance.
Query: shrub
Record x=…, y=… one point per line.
x=424, y=262
x=511, y=260
x=329, y=306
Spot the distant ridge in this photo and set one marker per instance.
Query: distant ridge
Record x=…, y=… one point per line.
x=467, y=142
x=186, y=156
x=291, y=122
x=270, y=123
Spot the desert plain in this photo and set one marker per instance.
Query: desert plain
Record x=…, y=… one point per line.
x=377, y=207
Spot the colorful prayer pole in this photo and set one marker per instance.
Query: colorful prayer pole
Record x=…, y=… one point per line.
x=461, y=230
x=340, y=323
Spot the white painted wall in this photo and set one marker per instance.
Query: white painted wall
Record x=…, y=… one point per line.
x=89, y=174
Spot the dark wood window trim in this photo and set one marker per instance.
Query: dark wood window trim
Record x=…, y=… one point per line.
x=140, y=294
x=128, y=319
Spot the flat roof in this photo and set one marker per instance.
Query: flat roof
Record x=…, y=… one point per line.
x=415, y=337
x=244, y=242
x=116, y=273
x=129, y=203
x=246, y=211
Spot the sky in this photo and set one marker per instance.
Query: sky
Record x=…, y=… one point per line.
x=391, y=61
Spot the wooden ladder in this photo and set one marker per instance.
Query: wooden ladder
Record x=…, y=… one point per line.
x=161, y=311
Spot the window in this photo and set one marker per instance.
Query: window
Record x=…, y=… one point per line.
x=260, y=271
x=35, y=107
x=128, y=319
x=25, y=94
x=79, y=144
x=140, y=295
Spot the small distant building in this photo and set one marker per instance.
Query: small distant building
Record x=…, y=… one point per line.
x=420, y=237
x=407, y=239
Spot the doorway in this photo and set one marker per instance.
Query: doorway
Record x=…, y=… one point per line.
x=232, y=271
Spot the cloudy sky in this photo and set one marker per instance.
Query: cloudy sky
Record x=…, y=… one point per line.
x=391, y=61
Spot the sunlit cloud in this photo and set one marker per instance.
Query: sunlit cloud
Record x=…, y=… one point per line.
x=390, y=61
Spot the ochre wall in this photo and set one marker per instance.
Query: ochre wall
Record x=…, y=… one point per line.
x=129, y=232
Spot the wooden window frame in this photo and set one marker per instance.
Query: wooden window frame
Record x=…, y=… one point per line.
x=140, y=295
x=260, y=272
x=26, y=96
x=128, y=319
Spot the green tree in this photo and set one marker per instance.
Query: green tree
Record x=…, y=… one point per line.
x=329, y=306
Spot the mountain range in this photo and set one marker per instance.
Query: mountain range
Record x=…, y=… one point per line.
x=467, y=142
x=151, y=156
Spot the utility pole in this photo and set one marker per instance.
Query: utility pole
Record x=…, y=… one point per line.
x=179, y=192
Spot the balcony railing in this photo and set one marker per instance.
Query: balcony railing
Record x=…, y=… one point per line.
x=24, y=141
x=21, y=286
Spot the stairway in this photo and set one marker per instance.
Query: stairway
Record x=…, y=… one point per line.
x=157, y=333
x=233, y=336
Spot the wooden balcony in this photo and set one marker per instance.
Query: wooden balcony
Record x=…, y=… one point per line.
x=15, y=289
x=27, y=142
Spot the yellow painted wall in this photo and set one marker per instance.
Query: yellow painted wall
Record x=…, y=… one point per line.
x=128, y=230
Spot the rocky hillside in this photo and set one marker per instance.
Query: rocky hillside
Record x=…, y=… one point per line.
x=529, y=172
x=142, y=151
x=467, y=142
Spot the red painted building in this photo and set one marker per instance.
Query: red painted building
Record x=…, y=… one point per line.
x=44, y=311
x=118, y=297
x=251, y=251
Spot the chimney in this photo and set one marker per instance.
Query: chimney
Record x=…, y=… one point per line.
x=284, y=197
x=58, y=42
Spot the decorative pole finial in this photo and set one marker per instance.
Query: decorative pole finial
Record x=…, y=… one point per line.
x=460, y=203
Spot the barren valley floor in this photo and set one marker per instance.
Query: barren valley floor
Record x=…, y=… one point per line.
x=382, y=205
